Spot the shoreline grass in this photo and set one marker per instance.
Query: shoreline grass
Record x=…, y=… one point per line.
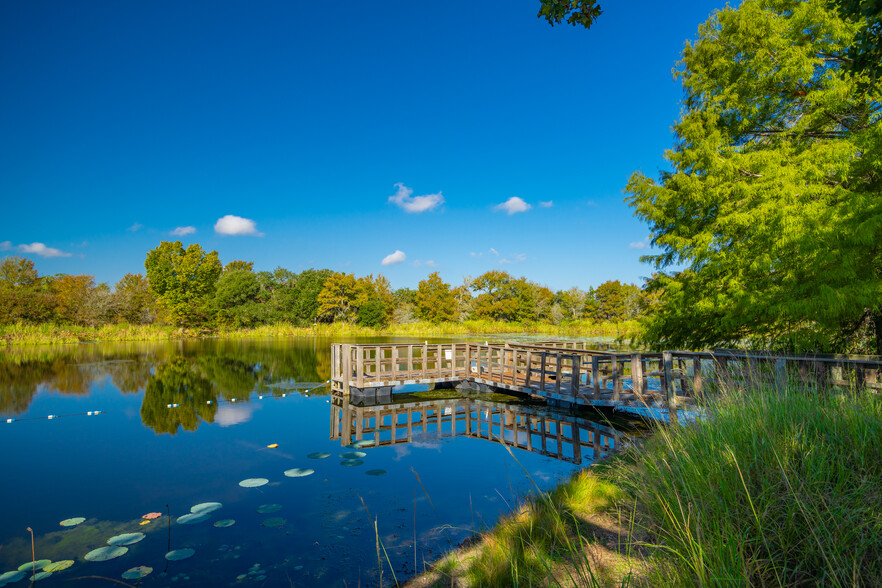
x=51, y=334
x=774, y=488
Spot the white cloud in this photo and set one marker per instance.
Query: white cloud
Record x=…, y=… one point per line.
x=591, y=203
x=420, y=262
x=404, y=199
x=236, y=225
x=135, y=227
x=431, y=263
x=513, y=205
x=5, y=245
x=546, y=204
x=473, y=254
x=494, y=252
x=516, y=258
x=43, y=251
x=644, y=244
x=394, y=258
x=228, y=415
x=183, y=231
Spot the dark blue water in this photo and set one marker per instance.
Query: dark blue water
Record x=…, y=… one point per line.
x=234, y=399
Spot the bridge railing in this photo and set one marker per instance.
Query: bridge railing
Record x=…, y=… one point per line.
x=586, y=376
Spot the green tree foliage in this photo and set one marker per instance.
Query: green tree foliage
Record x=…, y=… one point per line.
x=498, y=296
x=434, y=300
x=374, y=302
x=239, y=265
x=178, y=382
x=576, y=12
x=134, y=300
x=237, y=298
x=770, y=218
x=336, y=301
x=183, y=281
x=22, y=293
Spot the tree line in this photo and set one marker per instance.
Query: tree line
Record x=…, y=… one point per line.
x=190, y=287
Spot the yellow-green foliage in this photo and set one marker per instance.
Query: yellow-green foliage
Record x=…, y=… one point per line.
x=48, y=334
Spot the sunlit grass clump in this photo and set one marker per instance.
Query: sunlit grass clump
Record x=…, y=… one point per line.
x=774, y=488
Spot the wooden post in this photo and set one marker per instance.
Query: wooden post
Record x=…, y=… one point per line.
x=542, y=372
x=595, y=376
x=616, y=378
x=781, y=374
x=670, y=392
x=558, y=376
x=347, y=368
x=696, y=376
x=359, y=366
x=529, y=368
x=638, y=380
x=821, y=374
x=378, y=353
x=575, y=381
x=425, y=370
x=439, y=361
x=409, y=362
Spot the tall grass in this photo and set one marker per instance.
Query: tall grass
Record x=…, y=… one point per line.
x=50, y=334
x=773, y=488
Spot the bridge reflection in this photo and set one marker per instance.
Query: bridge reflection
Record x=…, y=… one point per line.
x=380, y=421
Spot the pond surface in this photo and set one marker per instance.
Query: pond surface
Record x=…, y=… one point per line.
x=165, y=428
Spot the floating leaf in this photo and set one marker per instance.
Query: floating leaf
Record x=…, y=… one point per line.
x=151, y=515
x=253, y=482
x=126, y=539
x=10, y=577
x=272, y=446
x=351, y=462
x=274, y=522
x=376, y=472
x=319, y=455
x=225, y=523
x=299, y=472
x=193, y=518
x=269, y=508
x=206, y=507
x=56, y=566
x=137, y=573
x=360, y=444
x=40, y=576
x=106, y=553
x=34, y=565
x=142, y=523
x=353, y=455
x=72, y=522
x=179, y=554
x=297, y=568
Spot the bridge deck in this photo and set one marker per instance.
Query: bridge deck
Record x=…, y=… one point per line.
x=570, y=373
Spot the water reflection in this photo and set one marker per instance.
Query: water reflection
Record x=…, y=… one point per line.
x=403, y=419
x=193, y=377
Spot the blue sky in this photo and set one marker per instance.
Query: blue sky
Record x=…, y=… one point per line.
x=301, y=135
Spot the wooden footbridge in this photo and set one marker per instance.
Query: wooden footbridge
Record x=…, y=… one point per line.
x=570, y=373
x=535, y=429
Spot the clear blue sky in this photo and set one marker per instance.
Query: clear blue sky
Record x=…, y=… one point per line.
x=124, y=121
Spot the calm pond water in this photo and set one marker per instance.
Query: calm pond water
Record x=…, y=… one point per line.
x=175, y=425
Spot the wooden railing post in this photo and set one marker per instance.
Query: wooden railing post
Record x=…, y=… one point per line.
x=781, y=374
x=595, y=376
x=575, y=380
x=616, y=378
x=670, y=392
x=359, y=366
x=558, y=373
x=529, y=368
x=542, y=371
x=638, y=380
x=697, y=381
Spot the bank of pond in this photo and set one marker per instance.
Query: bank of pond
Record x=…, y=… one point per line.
x=230, y=462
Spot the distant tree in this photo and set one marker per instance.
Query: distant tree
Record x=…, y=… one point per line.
x=237, y=299
x=462, y=294
x=498, y=296
x=572, y=303
x=610, y=299
x=134, y=300
x=183, y=281
x=336, y=301
x=376, y=294
x=71, y=296
x=303, y=306
x=239, y=265
x=22, y=295
x=434, y=300
x=577, y=12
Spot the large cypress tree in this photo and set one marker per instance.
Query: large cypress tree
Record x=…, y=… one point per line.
x=770, y=220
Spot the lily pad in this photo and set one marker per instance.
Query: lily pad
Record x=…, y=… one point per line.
x=179, y=554
x=253, y=482
x=206, y=507
x=137, y=573
x=34, y=565
x=299, y=472
x=56, y=566
x=40, y=576
x=72, y=522
x=193, y=518
x=360, y=444
x=10, y=577
x=126, y=539
x=319, y=455
x=106, y=553
x=151, y=515
x=351, y=462
x=353, y=454
x=376, y=472
x=269, y=508
x=225, y=523
x=274, y=522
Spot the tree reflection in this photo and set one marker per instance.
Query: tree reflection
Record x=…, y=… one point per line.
x=177, y=382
